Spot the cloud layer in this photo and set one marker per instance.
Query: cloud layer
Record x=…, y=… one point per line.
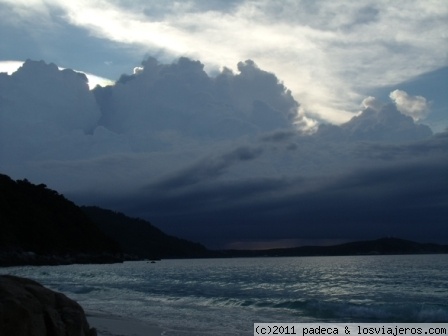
x=331, y=55
x=222, y=159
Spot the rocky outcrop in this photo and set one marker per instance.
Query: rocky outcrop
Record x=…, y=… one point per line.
x=29, y=309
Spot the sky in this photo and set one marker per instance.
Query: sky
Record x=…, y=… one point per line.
x=237, y=124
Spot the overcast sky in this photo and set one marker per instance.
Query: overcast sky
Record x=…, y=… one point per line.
x=331, y=55
x=235, y=123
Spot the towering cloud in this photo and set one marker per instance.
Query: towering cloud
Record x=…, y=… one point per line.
x=181, y=97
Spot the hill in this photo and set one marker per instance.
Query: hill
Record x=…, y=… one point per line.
x=140, y=238
x=40, y=226
x=382, y=246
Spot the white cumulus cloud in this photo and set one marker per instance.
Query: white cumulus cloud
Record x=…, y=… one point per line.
x=372, y=102
x=416, y=107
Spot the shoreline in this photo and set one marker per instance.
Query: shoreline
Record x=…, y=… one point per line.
x=110, y=325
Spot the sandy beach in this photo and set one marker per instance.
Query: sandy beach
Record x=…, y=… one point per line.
x=107, y=325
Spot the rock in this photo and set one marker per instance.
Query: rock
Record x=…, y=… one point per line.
x=29, y=309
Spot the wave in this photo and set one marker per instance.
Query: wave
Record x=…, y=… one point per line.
x=378, y=312
x=342, y=311
x=77, y=289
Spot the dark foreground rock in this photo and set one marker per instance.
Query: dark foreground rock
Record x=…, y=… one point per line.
x=29, y=309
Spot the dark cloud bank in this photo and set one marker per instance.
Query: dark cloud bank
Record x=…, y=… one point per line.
x=223, y=160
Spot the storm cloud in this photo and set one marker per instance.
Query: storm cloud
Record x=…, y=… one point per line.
x=222, y=159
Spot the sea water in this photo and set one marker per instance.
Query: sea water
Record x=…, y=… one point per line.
x=226, y=296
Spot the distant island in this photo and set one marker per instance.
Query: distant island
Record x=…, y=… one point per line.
x=39, y=226
x=382, y=246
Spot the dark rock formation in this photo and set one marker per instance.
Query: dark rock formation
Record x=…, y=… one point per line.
x=29, y=309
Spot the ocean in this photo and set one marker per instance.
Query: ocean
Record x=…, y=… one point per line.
x=226, y=296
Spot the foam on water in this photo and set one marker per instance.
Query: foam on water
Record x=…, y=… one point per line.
x=226, y=296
